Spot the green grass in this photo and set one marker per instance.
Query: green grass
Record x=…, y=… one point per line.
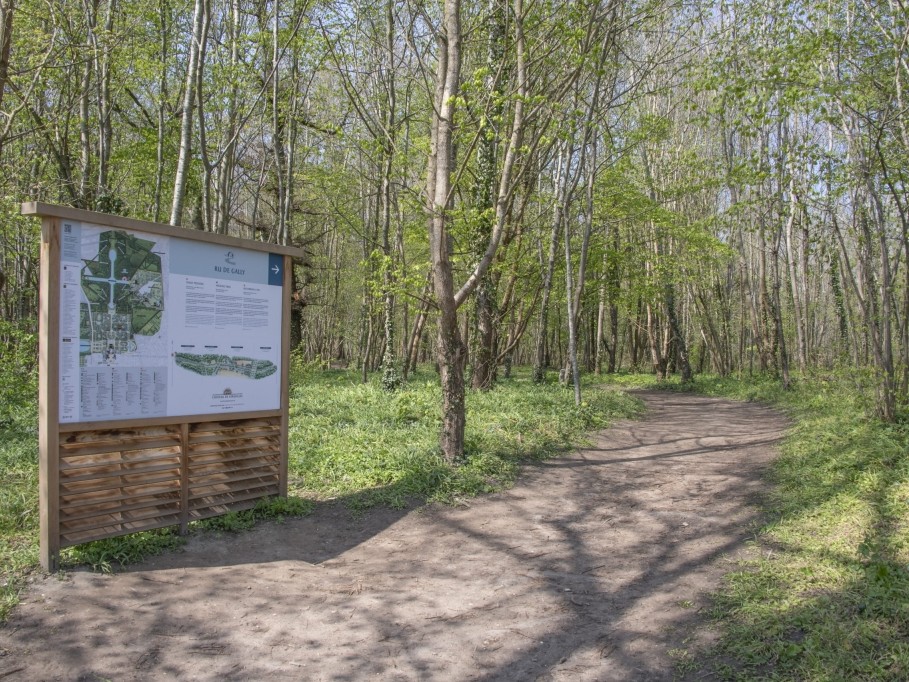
x=348, y=440
x=18, y=512
x=353, y=440
x=826, y=594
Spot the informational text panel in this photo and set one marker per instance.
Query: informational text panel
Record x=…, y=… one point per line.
x=157, y=326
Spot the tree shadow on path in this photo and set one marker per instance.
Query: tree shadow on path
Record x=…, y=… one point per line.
x=592, y=567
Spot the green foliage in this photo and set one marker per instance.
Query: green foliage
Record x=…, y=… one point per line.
x=18, y=376
x=18, y=512
x=111, y=553
x=18, y=462
x=354, y=441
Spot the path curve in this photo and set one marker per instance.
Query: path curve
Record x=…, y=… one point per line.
x=592, y=567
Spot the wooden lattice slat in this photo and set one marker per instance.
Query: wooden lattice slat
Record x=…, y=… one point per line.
x=112, y=483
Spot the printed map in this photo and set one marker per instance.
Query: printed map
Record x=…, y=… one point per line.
x=123, y=296
x=225, y=365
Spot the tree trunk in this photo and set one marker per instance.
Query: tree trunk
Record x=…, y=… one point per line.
x=391, y=379
x=164, y=35
x=777, y=314
x=193, y=67
x=105, y=109
x=6, y=41
x=85, y=143
x=678, y=335
x=561, y=185
x=225, y=177
x=484, y=355
x=450, y=348
x=795, y=281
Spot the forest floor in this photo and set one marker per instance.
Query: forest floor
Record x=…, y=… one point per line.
x=597, y=565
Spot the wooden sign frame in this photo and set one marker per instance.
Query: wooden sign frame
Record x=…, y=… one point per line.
x=101, y=479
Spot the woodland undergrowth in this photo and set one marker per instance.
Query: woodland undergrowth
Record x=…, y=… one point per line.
x=357, y=442
x=824, y=593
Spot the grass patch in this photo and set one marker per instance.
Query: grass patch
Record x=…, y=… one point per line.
x=18, y=511
x=353, y=440
x=827, y=596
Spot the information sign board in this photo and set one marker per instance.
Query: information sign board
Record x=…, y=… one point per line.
x=163, y=385
x=157, y=326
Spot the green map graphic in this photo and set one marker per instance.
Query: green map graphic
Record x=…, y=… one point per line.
x=225, y=365
x=124, y=288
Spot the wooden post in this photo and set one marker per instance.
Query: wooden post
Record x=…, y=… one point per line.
x=287, y=292
x=184, y=478
x=49, y=395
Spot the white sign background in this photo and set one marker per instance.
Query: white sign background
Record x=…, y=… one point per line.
x=155, y=326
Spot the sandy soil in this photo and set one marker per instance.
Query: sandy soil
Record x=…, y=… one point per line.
x=593, y=567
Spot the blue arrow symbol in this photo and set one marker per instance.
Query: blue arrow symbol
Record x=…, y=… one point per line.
x=275, y=269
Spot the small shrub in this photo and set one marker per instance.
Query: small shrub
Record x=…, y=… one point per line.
x=111, y=553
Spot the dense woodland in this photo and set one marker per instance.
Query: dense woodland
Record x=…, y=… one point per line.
x=591, y=186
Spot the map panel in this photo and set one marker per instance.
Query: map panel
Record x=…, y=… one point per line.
x=209, y=365
x=123, y=288
x=113, y=357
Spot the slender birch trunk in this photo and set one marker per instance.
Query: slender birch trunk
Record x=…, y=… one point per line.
x=200, y=23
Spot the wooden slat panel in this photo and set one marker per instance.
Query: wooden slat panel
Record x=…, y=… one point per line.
x=137, y=460
x=122, y=470
x=234, y=456
x=70, y=539
x=226, y=491
x=88, y=505
x=132, y=456
x=76, y=500
x=96, y=434
x=234, y=476
x=119, y=481
x=110, y=519
x=209, y=478
x=223, y=425
x=209, y=512
x=218, y=449
x=235, y=462
x=228, y=501
x=110, y=484
x=127, y=444
x=114, y=506
x=234, y=435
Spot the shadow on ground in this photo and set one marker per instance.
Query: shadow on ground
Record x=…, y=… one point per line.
x=593, y=567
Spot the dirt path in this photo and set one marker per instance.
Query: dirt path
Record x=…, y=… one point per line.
x=593, y=567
